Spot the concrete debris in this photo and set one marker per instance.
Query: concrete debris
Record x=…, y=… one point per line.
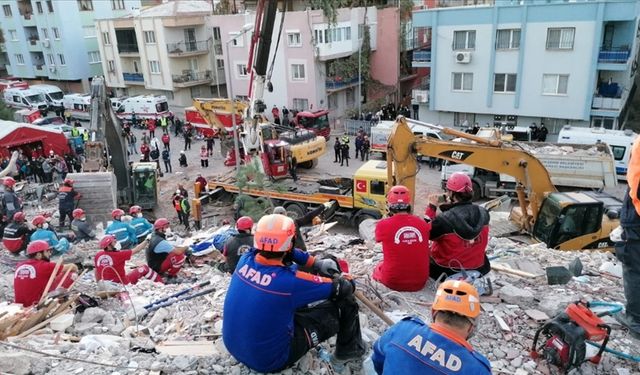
x=512, y=294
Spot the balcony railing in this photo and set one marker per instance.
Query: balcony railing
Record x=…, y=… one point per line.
x=127, y=48
x=192, y=77
x=339, y=83
x=614, y=55
x=186, y=47
x=133, y=77
x=615, y=103
x=422, y=56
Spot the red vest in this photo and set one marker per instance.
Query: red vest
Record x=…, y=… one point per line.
x=452, y=251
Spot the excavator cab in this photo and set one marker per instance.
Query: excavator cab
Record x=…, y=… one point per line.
x=274, y=158
x=145, y=184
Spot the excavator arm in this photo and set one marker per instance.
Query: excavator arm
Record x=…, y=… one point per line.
x=530, y=174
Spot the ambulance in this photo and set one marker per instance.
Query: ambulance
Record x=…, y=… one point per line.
x=77, y=106
x=144, y=106
x=25, y=98
x=52, y=94
x=7, y=83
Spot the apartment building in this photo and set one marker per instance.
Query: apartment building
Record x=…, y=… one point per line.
x=523, y=62
x=56, y=41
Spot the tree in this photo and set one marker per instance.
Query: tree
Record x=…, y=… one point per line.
x=250, y=176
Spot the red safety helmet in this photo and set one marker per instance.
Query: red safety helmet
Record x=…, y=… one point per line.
x=9, y=182
x=460, y=183
x=274, y=233
x=38, y=220
x=19, y=217
x=161, y=223
x=134, y=210
x=107, y=240
x=68, y=181
x=399, y=198
x=37, y=246
x=116, y=213
x=244, y=223
x=77, y=213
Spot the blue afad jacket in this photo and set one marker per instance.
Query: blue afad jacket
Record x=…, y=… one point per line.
x=123, y=232
x=412, y=347
x=60, y=246
x=260, y=305
x=142, y=226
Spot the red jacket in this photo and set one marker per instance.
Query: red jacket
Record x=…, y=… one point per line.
x=165, y=138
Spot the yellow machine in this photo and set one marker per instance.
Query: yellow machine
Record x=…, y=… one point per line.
x=564, y=221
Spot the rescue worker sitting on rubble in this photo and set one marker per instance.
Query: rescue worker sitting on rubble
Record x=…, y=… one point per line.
x=110, y=261
x=9, y=201
x=31, y=276
x=124, y=232
x=405, y=245
x=413, y=347
x=460, y=233
x=60, y=245
x=15, y=236
x=162, y=256
x=141, y=225
x=80, y=227
x=304, y=221
x=237, y=244
x=268, y=325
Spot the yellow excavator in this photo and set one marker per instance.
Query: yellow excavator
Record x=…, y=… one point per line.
x=562, y=220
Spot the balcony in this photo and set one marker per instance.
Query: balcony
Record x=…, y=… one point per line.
x=191, y=78
x=421, y=59
x=128, y=49
x=420, y=96
x=619, y=55
x=609, y=100
x=186, y=49
x=133, y=78
x=339, y=83
x=39, y=67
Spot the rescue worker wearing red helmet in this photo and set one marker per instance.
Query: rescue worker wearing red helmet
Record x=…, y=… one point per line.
x=43, y=231
x=460, y=233
x=237, y=244
x=414, y=347
x=80, y=227
x=162, y=256
x=268, y=324
x=15, y=236
x=141, y=225
x=405, y=244
x=124, y=233
x=110, y=261
x=67, y=196
x=9, y=202
x=31, y=276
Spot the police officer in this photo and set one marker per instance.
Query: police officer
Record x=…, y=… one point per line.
x=66, y=200
x=80, y=227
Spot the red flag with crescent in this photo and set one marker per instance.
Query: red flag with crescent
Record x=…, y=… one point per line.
x=361, y=186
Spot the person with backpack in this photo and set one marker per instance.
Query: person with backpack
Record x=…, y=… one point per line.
x=155, y=156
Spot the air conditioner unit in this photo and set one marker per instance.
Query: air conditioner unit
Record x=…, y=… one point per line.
x=45, y=43
x=52, y=69
x=462, y=57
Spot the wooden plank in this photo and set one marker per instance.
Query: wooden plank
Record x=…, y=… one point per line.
x=191, y=348
x=503, y=325
x=53, y=276
x=502, y=268
x=41, y=324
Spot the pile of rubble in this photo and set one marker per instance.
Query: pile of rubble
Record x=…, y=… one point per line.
x=185, y=337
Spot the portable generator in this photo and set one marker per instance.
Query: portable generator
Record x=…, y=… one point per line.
x=566, y=335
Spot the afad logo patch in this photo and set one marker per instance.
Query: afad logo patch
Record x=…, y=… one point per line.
x=254, y=276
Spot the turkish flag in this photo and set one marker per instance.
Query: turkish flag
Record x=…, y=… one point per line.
x=361, y=186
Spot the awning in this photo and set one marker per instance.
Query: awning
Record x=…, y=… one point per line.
x=23, y=141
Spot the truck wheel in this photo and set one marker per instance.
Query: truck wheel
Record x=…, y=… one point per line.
x=360, y=218
x=477, y=193
x=295, y=210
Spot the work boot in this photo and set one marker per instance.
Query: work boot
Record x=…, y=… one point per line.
x=628, y=323
x=349, y=354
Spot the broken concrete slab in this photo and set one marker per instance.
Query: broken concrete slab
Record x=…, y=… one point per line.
x=515, y=295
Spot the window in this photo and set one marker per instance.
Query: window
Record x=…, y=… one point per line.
x=45, y=33
x=237, y=39
x=508, y=39
x=51, y=58
x=13, y=34
x=149, y=37
x=220, y=63
x=39, y=7
x=297, y=72
x=560, y=38
x=351, y=97
x=618, y=152
x=111, y=65
x=300, y=104
x=377, y=187
x=504, y=83
x=360, y=31
x=464, y=119
x=347, y=33
x=85, y=5
x=196, y=92
x=105, y=39
x=293, y=40
x=154, y=66
x=7, y=10
x=462, y=81
x=464, y=39
x=19, y=59
x=50, y=6
x=56, y=32
x=117, y=4
x=241, y=70
x=94, y=57
x=555, y=84
x=216, y=34
x=89, y=31
x=333, y=101
x=62, y=60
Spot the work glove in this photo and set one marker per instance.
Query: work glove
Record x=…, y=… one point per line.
x=343, y=287
x=148, y=238
x=326, y=267
x=328, y=205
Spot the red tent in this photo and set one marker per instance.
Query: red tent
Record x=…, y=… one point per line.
x=15, y=135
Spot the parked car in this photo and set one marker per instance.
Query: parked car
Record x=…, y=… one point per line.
x=64, y=128
x=55, y=120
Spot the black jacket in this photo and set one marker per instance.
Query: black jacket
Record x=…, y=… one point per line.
x=235, y=247
x=464, y=219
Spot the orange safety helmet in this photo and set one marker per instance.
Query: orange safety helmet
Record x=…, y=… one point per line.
x=274, y=233
x=9, y=182
x=244, y=223
x=134, y=210
x=457, y=297
x=38, y=220
x=161, y=223
x=37, y=246
x=116, y=213
x=399, y=197
x=77, y=213
x=107, y=240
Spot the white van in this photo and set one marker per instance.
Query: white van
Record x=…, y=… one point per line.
x=52, y=94
x=144, y=106
x=77, y=106
x=25, y=98
x=620, y=142
x=381, y=132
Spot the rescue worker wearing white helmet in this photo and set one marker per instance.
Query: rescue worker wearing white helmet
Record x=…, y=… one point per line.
x=460, y=232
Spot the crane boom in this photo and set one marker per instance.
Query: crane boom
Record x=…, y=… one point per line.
x=261, y=46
